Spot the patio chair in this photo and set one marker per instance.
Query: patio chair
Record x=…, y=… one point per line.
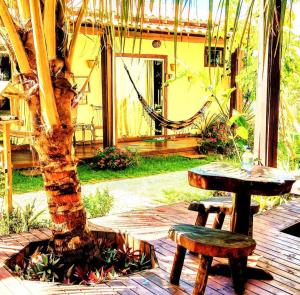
x=96, y=122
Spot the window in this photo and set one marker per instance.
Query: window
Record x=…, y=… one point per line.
x=5, y=68
x=216, y=56
x=5, y=75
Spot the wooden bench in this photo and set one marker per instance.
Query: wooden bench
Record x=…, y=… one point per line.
x=209, y=243
x=222, y=206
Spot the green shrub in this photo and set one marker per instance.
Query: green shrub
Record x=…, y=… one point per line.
x=22, y=219
x=115, y=159
x=267, y=203
x=98, y=204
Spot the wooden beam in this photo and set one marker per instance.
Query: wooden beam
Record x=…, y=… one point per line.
x=268, y=89
x=236, y=99
x=107, y=92
x=7, y=166
x=155, y=35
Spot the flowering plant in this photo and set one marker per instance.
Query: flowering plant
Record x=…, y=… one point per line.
x=114, y=158
x=215, y=139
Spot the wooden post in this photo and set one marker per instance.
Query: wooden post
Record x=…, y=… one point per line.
x=240, y=219
x=7, y=166
x=268, y=90
x=107, y=91
x=240, y=216
x=236, y=99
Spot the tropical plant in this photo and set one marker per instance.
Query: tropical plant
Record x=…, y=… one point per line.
x=225, y=134
x=22, y=219
x=36, y=39
x=111, y=261
x=115, y=159
x=45, y=267
x=289, y=89
x=216, y=140
x=98, y=204
x=267, y=203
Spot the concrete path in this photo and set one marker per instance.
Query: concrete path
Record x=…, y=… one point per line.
x=129, y=194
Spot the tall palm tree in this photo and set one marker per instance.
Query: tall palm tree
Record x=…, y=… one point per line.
x=36, y=35
x=37, y=39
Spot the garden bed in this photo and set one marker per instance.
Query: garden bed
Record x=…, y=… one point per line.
x=33, y=262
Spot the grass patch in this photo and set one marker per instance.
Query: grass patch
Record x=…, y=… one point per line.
x=24, y=184
x=146, y=167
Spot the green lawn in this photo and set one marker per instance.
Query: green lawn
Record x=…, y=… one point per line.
x=147, y=166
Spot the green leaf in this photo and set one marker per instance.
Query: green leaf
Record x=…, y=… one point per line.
x=70, y=270
x=242, y=132
x=235, y=116
x=242, y=121
x=45, y=259
x=56, y=261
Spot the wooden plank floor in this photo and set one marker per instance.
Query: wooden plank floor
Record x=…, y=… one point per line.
x=277, y=252
x=28, y=159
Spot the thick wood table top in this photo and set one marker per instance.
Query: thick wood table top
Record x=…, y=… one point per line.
x=226, y=177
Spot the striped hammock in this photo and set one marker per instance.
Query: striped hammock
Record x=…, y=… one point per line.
x=169, y=124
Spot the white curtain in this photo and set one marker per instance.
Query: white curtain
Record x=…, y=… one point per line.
x=132, y=120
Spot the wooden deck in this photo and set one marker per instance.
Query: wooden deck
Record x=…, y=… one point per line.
x=277, y=252
x=28, y=159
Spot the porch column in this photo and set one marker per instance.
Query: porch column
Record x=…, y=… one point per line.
x=268, y=88
x=107, y=91
x=236, y=99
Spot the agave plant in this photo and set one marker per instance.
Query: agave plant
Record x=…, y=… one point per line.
x=44, y=267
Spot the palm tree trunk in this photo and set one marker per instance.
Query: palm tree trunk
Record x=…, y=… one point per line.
x=59, y=169
x=41, y=54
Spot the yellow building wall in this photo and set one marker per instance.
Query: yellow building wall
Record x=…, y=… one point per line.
x=185, y=95
x=188, y=92
x=88, y=49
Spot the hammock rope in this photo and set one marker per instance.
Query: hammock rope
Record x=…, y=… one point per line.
x=169, y=124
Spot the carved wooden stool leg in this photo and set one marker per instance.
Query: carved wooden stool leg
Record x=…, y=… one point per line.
x=238, y=274
x=201, y=218
x=177, y=265
x=202, y=275
x=219, y=220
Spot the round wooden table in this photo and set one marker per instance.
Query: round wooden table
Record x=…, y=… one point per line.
x=264, y=181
